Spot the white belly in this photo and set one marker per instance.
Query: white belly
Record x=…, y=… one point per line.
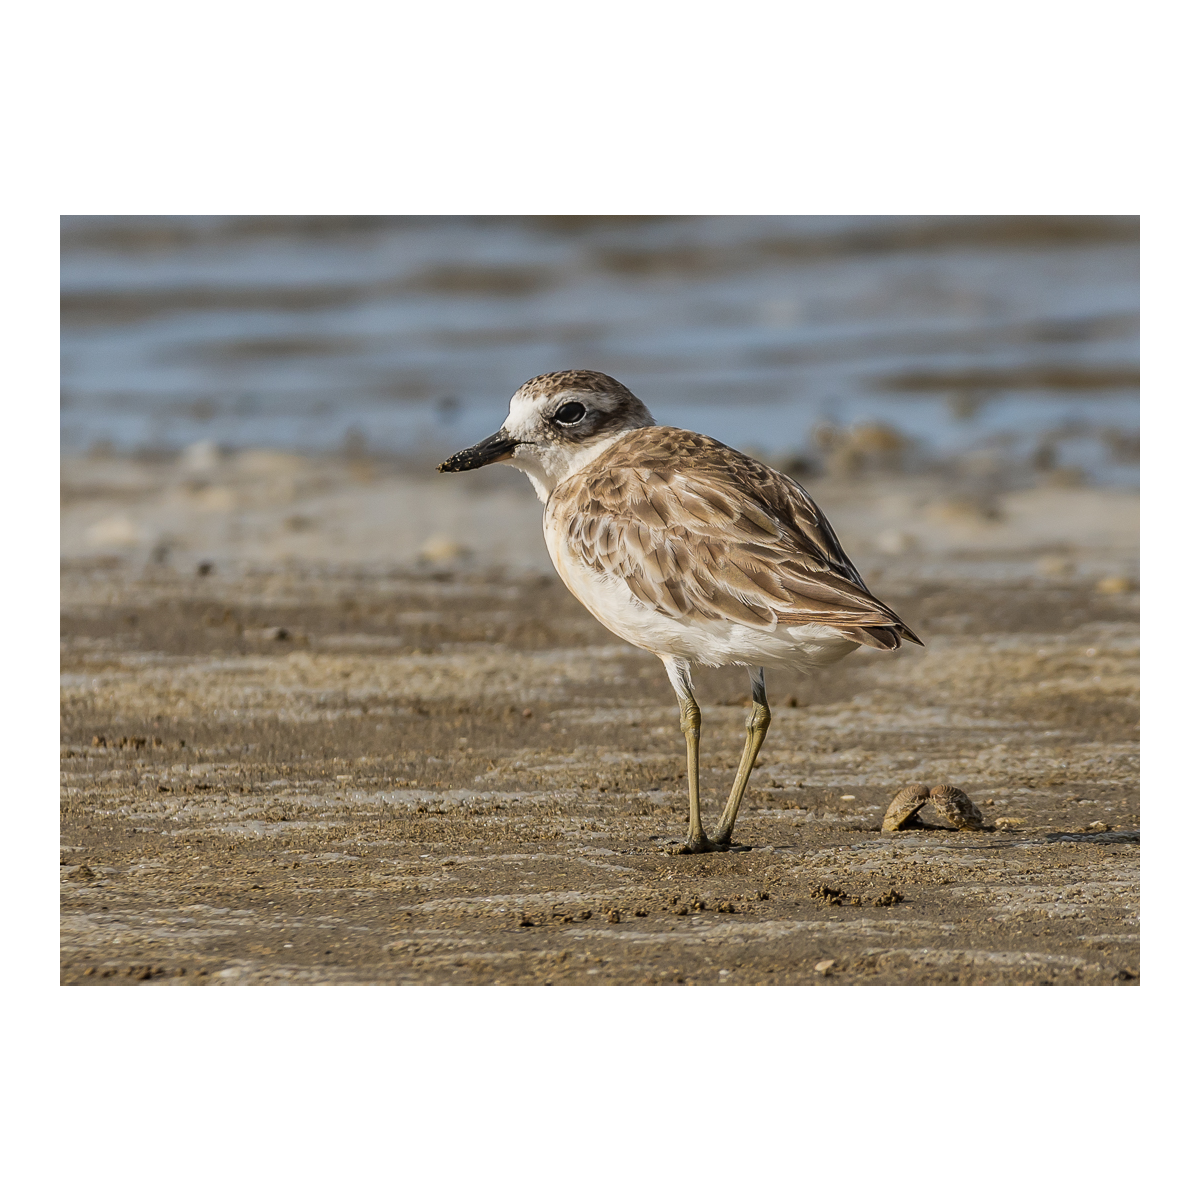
x=712, y=643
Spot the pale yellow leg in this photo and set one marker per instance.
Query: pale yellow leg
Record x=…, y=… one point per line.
x=757, y=724
x=689, y=722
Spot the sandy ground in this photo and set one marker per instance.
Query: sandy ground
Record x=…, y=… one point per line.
x=327, y=723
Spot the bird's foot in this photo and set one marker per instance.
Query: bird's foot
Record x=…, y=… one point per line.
x=706, y=845
x=727, y=843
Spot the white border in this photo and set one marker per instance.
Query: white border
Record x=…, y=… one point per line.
x=935, y=107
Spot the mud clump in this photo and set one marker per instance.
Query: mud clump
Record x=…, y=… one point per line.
x=836, y=897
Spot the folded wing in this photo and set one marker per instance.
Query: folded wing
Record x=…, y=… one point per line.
x=696, y=529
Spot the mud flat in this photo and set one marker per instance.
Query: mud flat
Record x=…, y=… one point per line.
x=304, y=754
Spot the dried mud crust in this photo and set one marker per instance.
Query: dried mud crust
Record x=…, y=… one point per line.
x=445, y=779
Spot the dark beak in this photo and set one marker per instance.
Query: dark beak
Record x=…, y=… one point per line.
x=496, y=448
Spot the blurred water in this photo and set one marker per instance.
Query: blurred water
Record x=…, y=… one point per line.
x=1006, y=341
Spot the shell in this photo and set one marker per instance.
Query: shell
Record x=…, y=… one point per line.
x=904, y=807
x=955, y=806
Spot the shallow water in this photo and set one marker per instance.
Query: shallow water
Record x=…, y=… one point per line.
x=1010, y=343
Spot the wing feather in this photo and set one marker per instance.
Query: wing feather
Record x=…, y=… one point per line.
x=696, y=529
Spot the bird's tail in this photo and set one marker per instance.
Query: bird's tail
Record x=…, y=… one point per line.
x=881, y=637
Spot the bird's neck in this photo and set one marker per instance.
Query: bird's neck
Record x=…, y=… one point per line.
x=548, y=466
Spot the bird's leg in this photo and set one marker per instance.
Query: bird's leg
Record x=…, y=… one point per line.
x=757, y=724
x=689, y=722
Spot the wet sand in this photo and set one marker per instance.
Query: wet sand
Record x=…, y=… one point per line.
x=316, y=754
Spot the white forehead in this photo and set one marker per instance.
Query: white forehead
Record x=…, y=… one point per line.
x=524, y=411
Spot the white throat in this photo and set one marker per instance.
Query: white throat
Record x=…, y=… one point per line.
x=548, y=466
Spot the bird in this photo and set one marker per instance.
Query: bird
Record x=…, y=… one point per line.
x=688, y=549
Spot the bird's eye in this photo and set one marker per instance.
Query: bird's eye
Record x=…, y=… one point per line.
x=570, y=414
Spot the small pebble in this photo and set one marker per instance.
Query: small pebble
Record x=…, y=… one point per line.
x=825, y=966
x=439, y=549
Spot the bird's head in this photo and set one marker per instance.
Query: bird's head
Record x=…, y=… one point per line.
x=556, y=425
